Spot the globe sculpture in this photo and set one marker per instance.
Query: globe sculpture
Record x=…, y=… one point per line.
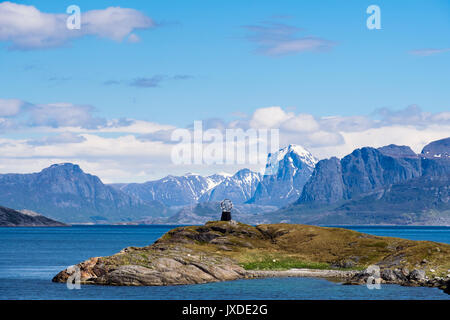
x=226, y=206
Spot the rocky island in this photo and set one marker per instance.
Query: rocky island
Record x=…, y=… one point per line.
x=220, y=251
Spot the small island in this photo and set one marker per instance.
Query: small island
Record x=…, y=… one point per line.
x=229, y=250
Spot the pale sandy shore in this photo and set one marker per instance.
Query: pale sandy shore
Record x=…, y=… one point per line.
x=301, y=273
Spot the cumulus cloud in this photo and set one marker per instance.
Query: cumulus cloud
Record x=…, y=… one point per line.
x=10, y=107
x=25, y=27
x=160, y=135
x=412, y=115
x=339, y=135
x=6, y=124
x=213, y=123
x=301, y=123
x=130, y=150
x=276, y=39
x=269, y=117
x=349, y=123
x=114, y=159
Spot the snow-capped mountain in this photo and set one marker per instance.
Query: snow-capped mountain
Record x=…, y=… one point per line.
x=238, y=188
x=286, y=172
x=174, y=190
x=437, y=149
x=275, y=159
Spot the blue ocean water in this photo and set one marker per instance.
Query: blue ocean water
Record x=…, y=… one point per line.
x=30, y=257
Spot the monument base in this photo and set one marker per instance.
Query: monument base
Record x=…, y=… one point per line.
x=226, y=216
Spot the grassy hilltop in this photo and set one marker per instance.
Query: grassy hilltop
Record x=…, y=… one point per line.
x=284, y=246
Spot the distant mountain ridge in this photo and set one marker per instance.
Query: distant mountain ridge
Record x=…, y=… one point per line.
x=286, y=172
x=388, y=185
x=252, y=194
x=360, y=172
x=239, y=188
x=14, y=218
x=439, y=149
x=173, y=190
x=368, y=169
x=64, y=192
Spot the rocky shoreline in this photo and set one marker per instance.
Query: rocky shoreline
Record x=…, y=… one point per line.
x=403, y=277
x=415, y=278
x=224, y=251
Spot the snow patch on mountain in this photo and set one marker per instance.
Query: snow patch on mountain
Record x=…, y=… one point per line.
x=287, y=171
x=274, y=159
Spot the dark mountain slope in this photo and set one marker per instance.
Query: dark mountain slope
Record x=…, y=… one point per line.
x=389, y=185
x=64, y=192
x=13, y=218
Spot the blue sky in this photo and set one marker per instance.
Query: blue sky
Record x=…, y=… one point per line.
x=367, y=69
x=210, y=59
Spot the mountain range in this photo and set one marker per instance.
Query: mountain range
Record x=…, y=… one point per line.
x=239, y=188
x=173, y=190
x=387, y=185
x=65, y=193
x=286, y=171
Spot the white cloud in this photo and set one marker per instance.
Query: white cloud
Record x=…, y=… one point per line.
x=62, y=138
x=114, y=22
x=10, y=107
x=412, y=115
x=270, y=117
x=301, y=123
x=129, y=150
x=25, y=27
x=349, y=123
x=408, y=135
x=340, y=135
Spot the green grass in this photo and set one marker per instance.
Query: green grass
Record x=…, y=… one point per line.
x=379, y=244
x=282, y=264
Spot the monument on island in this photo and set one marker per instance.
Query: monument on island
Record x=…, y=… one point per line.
x=226, y=206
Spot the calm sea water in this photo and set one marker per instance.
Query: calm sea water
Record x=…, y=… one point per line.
x=30, y=257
